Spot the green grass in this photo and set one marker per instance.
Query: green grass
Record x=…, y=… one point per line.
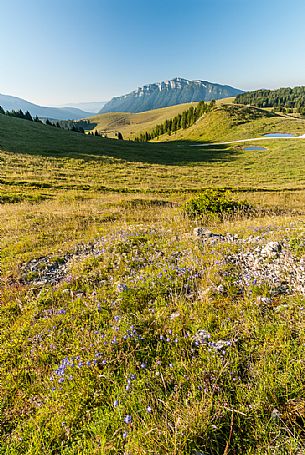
x=231, y=122
x=125, y=319
x=131, y=124
x=45, y=161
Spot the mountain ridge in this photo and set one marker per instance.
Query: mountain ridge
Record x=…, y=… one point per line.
x=10, y=103
x=90, y=106
x=169, y=93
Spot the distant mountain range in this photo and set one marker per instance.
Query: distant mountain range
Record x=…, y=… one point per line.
x=168, y=93
x=10, y=103
x=93, y=106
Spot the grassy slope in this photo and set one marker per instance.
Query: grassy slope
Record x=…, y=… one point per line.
x=112, y=338
x=51, y=160
x=227, y=123
x=131, y=124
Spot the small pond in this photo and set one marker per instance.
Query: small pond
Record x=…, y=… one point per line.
x=279, y=135
x=253, y=148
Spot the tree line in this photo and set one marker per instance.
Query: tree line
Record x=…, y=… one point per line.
x=181, y=121
x=281, y=100
x=67, y=125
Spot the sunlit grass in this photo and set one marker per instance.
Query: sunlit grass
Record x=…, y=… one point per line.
x=107, y=359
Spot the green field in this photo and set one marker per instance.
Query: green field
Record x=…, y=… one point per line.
x=131, y=124
x=232, y=122
x=104, y=292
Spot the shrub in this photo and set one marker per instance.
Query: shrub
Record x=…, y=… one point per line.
x=217, y=203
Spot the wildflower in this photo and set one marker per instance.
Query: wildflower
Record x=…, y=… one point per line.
x=61, y=312
x=125, y=434
x=148, y=409
x=116, y=403
x=127, y=419
x=143, y=365
x=122, y=287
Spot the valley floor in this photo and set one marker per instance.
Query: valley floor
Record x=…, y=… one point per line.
x=253, y=139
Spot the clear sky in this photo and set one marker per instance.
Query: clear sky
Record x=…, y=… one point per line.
x=59, y=51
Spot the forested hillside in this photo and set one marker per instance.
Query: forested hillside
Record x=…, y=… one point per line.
x=181, y=121
x=282, y=100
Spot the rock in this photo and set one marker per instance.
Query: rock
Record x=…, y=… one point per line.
x=271, y=250
x=275, y=414
x=221, y=289
x=202, y=337
x=200, y=232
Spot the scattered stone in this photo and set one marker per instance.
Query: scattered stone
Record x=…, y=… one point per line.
x=200, y=232
x=273, y=265
x=221, y=289
x=53, y=269
x=271, y=250
x=264, y=300
x=259, y=263
x=275, y=414
x=202, y=337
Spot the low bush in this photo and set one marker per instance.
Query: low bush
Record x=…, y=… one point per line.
x=219, y=203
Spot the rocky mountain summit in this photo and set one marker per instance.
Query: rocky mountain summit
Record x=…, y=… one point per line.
x=169, y=93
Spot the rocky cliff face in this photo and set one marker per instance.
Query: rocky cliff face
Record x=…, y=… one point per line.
x=168, y=93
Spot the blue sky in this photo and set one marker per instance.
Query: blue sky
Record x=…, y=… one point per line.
x=60, y=51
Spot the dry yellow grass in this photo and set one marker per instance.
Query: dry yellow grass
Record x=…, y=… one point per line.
x=131, y=124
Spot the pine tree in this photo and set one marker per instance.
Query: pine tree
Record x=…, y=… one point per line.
x=28, y=116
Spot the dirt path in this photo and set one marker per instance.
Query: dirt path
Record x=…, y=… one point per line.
x=247, y=140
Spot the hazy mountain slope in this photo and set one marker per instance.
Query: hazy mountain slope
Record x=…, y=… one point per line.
x=168, y=93
x=10, y=103
x=91, y=106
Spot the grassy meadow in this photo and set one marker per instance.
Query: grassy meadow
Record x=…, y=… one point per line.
x=131, y=124
x=105, y=293
x=230, y=122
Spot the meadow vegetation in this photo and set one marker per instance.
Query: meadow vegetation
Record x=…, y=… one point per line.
x=131, y=124
x=122, y=332
x=231, y=122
